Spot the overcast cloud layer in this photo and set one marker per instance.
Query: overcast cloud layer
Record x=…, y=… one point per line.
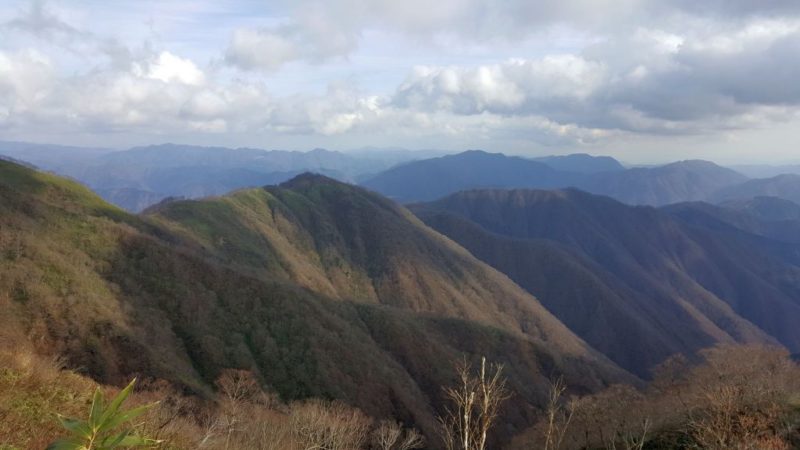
x=646, y=80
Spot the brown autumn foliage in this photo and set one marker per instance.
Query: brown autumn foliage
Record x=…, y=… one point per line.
x=737, y=398
x=34, y=389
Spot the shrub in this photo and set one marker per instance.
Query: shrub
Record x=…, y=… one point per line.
x=101, y=430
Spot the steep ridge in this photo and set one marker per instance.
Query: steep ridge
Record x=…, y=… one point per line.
x=671, y=286
x=196, y=287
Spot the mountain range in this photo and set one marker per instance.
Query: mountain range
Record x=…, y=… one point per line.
x=431, y=179
x=140, y=177
x=319, y=288
x=326, y=289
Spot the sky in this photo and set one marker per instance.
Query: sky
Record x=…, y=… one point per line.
x=644, y=80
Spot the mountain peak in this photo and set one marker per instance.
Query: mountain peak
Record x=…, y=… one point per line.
x=306, y=179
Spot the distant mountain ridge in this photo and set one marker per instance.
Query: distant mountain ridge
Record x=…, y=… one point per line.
x=770, y=217
x=434, y=178
x=142, y=176
x=785, y=186
x=676, y=182
x=430, y=179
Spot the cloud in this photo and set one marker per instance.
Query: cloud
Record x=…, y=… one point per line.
x=262, y=49
x=632, y=67
x=313, y=36
x=168, y=68
x=41, y=22
x=159, y=94
x=516, y=86
x=317, y=30
x=650, y=82
x=26, y=78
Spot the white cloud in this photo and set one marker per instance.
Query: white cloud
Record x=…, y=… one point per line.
x=514, y=87
x=168, y=68
x=431, y=71
x=261, y=49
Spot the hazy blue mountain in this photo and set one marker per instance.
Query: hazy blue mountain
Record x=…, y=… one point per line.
x=582, y=163
x=677, y=182
x=130, y=199
x=57, y=158
x=769, y=217
x=785, y=186
x=141, y=176
x=434, y=178
x=766, y=170
x=766, y=208
x=265, y=161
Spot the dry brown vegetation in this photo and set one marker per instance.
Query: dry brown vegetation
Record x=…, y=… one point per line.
x=743, y=398
x=33, y=390
x=738, y=397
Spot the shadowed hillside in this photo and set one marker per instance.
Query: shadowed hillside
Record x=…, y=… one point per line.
x=660, y=285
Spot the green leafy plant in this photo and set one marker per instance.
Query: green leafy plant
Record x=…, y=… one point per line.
x=102, y=430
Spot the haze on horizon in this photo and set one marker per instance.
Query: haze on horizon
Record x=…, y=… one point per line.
x=641, y=80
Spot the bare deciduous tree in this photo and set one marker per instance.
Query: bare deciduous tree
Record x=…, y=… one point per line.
x=237, y=388
x=559, y=416
x=475, y=405
x=391, y=436
x=329, y=426
x=741, y=399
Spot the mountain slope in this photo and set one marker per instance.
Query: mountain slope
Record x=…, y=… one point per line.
x=347, y=243
x=670, y=285
x=197, y=287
